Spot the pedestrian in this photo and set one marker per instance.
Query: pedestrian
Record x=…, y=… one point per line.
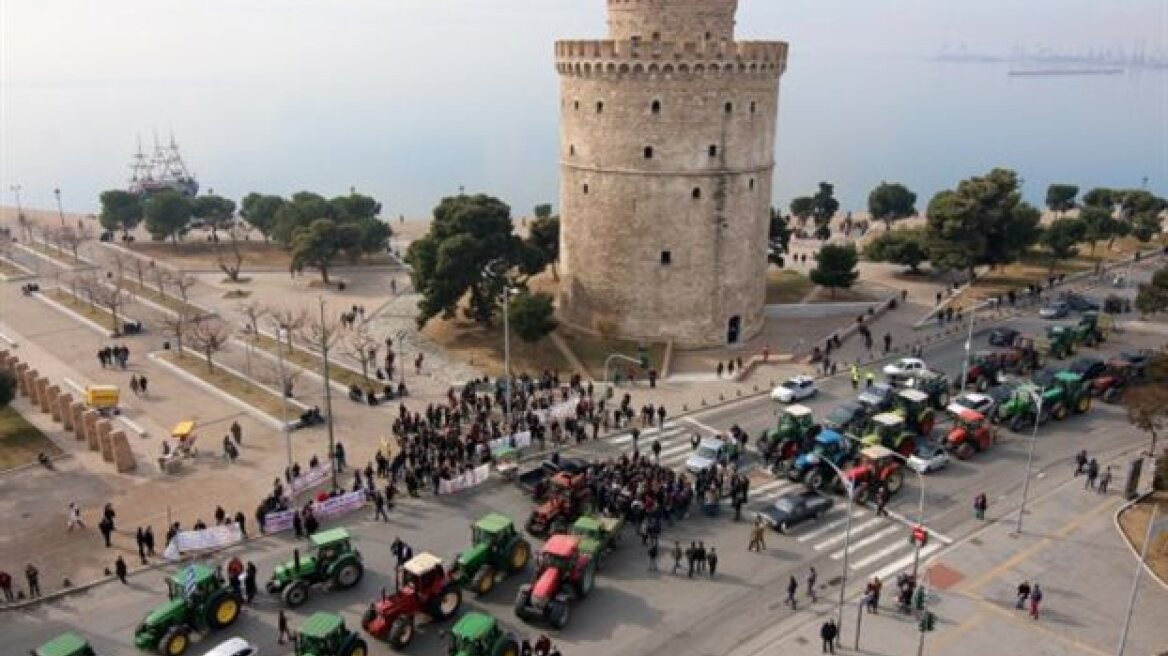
x=656, y=450
x=827, y=633
x=234, y=574
x=792, y=588
x=6, y=586
x=882, y=495
x=142, y=386
x=379, y=507
x=140, y=540
x=237, y=433
x=887, y=343
x=869, y=378
x=1035, y=600
x=876, y=585
x=74, y=516
x=1092, y=473
x=1023, y=595
x=719, y=369
x=653, y=556
x=700, y=557
x=297, y=525
x=339, y=456
x=980, y=503
x=677, y=556
x=812, y=575
x=694, y=441
x=33, y=576
x=712, y=561
x=241, y=522
x=134, y=386
x=757, y=543
x=1080, y=462
x=855, y=377
x=107, y=529
x=690, y=554
x=1105, y=480
x=282, y=627
x=148, y=539
x=121, y=570
x=250, y=586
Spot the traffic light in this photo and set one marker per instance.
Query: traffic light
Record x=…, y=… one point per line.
x=928, y=621
x=919, y=536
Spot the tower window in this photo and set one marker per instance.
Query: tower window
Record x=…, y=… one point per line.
x=750, y=185
x=576, y=105
x=571, y=150
x=585, y=188
x=729, y=108
x=697, y=193
x=648, y=152
x=708, y=35
x=753, y=106
x=666, y=257
x=656, y=36
x=713, y=150
x=599, y=107
x=655, y=107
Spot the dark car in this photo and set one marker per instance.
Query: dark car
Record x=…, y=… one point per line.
x=533, y=481
x=879, y=396
x=1088, y=367
x=847, y=417
x=1003, y=336
x=1054, y=310
x=1002, y=392
x=1080, y=303
x=1138, y=359
x=790, y=509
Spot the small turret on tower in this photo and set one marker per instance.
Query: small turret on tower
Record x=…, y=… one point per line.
x=693, y=21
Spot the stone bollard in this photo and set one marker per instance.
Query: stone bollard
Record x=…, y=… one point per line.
x=124, y=460
x=77, y=411
x=53, y=396
x=104, y=430
x=65, y=409
x=42, y=393
x=91, y=437
x=22, y=379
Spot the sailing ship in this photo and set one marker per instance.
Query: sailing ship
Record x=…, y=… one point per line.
x=162, y=170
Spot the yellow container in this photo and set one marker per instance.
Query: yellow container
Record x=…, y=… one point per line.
x=183, y=429
x=101, y=396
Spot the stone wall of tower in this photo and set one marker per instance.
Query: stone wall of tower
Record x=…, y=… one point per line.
x=667, y=159
x=672, y=20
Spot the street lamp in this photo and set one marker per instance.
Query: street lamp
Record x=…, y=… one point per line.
x=328, y=395
x=920, y=512
x=850, y=489
x=281, y=332
x=508, y=290
x=1140, y=563
x=1037, y=398
x=60, y=212
x=968, y=345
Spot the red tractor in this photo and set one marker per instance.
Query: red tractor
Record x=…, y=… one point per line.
x=424, y=589
x=971, y=434
x=1110, y=385
x=567, y=498
x=562, y=575
x=878, y=466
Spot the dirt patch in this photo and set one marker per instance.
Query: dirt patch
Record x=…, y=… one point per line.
x=593, y=351
x=1134, y=522
x=63, y=257
x=231, y=384
x=785, y=286
x=20, y=441
x=482, y=347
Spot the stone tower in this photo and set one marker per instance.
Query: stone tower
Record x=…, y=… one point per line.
x=667, y=147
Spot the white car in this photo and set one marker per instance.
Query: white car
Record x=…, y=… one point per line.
x=710, y=452
x=971, y=401
x=234, y=647
x=904, y=367
x=794, y=389
x=928, y=458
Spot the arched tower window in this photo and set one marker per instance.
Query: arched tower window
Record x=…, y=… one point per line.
x=750, y=185
x=585, y=188
x=697, y=193
x=576, y=105
x=571, y=150
x=753, y=106
x=648, y=152
x=655, y=107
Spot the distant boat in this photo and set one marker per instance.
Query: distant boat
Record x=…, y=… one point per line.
x=163, y=170
x=1036, y=72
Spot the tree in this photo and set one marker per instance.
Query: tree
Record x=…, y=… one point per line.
x=184, y=283
x=216, y=211
x=983, y=222
x=319, y=245
x=162, y=278
x=1100, y=197
x=1060, y=198
x=531, y=316
x=778, y=237
x=1146, y=401
x=208, y=335
x=1152, y=297
x=230, y=259
x=260, y=212
x=543, y=211
x=109, y=295
x=72, y=238
x=7, y=388
x=304, y=208
x=802, y=208
x=362, y=347
x=835, y=267
x=175, y=325
x=822, y=232
x=544, y=239
x=140, y=268
x=467, y=234
x=373, y=235
x=26, y=226
x=120, y=210
x=354, y=207
x=1060, y=239
x=1099, y=225
x=167, y=215
x=824, y=205
x=288, y=321
x=253, y=311
x=890, y=202
x=905, y=246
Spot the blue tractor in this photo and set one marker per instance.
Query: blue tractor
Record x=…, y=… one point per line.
x=809, y=466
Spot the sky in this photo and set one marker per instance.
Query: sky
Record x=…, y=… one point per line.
x=452, y=90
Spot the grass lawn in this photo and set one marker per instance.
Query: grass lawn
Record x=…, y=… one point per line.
x=483, y=346
x=10, y=271
x=62, y=256
x=312, y=361
x=593, y=351
x=94, y=313
x=785, y=286
x=235, y=386
x=20, y=441
x=1135, y=525
x=130, y=284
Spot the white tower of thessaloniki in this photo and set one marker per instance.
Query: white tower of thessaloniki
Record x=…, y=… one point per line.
x=667, y=145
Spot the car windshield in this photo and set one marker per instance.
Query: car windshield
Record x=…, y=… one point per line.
x=791, y=385
x=707, y=452
x=785, y=505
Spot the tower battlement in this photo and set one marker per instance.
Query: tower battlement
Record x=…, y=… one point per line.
x=672, y=20
x=609, y=57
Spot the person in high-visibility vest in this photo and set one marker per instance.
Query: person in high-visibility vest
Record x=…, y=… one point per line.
x=869, y=377
x=855, y=377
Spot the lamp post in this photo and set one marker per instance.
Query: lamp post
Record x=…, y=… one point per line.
x=1131, y=602
x=1037, y=398
x=281, y=331
x=850, y=489
x=328, y=396
x=920, y=513
x=60, y=212
x=401, y=346
x=968, y=345
x=490, y=272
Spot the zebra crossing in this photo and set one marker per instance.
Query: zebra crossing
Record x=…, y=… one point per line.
x=879, y=546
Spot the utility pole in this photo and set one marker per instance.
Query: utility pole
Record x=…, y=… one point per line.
x=280, y=330
x=1131, y=602
x=507, y=348
x=60, y=211
x=328, y=395
x=968, y=345
x=1030, y=458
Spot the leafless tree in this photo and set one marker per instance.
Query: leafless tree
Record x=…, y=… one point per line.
x=208, y=335
x=363, y=347
x=254, y=311
x=162, y=278
x=73, y=238
x=82, y=286
x=288, y=321
x=25, y=227
x=230, y=258
x=110, y=295
x=140, y=268
x=184, y=283
x=175, y=325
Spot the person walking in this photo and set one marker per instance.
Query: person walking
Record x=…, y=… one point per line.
x=656, y=451
x=284, y=630
x=700, y=558
x=140, y=539
x=792, y=588
x=107, y=530
x=869, y=378
x=1023, y=595
x=237, y=433
x=677, y=556
x=653, y=556
x=1080, y=463
x=33, y=577
x=690, y=555
x=980, y=503
x=712, y=561
x=1092, y=474
x=241, y=522
x=142, y=382
x=250, y=586
x=827, y=633
x=812, y=575
x=855, y=377
x=6, y=586
x=1035, y=600
x=121, y=570
x=757, y=543
x=882, y=495
x=148, y=540
x=74, y=516
x=134, y=387
x=1104, y=480
x=379, y=506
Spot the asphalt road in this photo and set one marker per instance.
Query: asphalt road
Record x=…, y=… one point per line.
x=634, y=611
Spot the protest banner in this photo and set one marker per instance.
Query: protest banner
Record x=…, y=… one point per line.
x=215, y=537
x=307, y=480
x=467, y=480
x=518, y=440
x=278, y=522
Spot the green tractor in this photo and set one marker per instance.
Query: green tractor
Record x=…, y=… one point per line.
x=598, y=535
x=1059, y=342
x=1018, y=411
x=200, y=600
x=796, y=425
x=498, y=551
x=66, y=644
x=1068, y=393
x=479, y=634
x=888, y=430
x=325, y=634
x=335, y=564
x=914, y=406
x=935, y=384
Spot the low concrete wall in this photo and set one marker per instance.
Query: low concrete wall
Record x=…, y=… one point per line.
x=818, y=310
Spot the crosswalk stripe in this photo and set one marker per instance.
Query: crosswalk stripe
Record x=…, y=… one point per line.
x=672, y=449
x=669, y=431
x=880, y=555
x=860, y=544
x=829, y=527
x=768, y=486
x=839, y=538
x=900, y=565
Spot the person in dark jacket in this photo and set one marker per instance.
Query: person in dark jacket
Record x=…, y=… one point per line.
x=828, y=633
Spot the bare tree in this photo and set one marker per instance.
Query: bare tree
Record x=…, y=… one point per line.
x=82, y=287
x=254, y=311
x=110, y=295
x=25, y=227
x=73, y=238
x=162, y=278
x=230, y=258
x=208, y=334
x=175, y=325
x=288, y=321
x=140, y=268
x=363, y=347
x=184, y=283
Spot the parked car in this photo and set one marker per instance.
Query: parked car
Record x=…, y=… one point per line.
x=790, y=509
x=1003, y=336
x=234, y=647
x=904, y=367
x=928, y=458
x=710, y=451
x=1088, y=367
x=847, y=417
x=975, y=401
x=1138, y=360
x=1080, y=303
x=1054, y=310
x=794, y=389
x=879, y=397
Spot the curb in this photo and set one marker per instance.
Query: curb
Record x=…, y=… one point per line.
x=84, y=262
x=1130, y=545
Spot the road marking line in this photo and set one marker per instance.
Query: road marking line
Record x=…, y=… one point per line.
x=672, y=449
x=839, y=538
x=672, y=431
x=879, y=555
x=768, y=486
x=695, y=422
x=820, y=531
x=900, y=565
x=859, y=544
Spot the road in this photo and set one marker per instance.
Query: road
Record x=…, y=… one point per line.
x=633, y=611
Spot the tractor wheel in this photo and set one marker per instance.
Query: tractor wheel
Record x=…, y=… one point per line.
x=861, y=495
x=1083, y=405
x=965, y=451
x=895, y=481
x=295, y=594
x=1110, y=395
x=983, y=384
x=534, y=526
x=587, y=581
x=816, y=480
x=484, y=580
x=1017, y=424
x=355, y=648
x=522, y=601
x=508, y=646
x=174, y=642
x=348, y=574
x=1059, y=412
x=447, y=603
x=519, y=556
x=558, y=613
x=223, y=610
x=401, y=632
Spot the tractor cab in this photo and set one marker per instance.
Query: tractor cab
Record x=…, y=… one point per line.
x=888, y=430
x=913, y=405
x=493, y=529
x=1060, y=341
x=878, y=466
x=934, y=384
x=559, y=552
x=1071, y=393
x=796, y=420
x=421, y=573
x=971, y=433
x=828, y=445
x=325, y=634
x=479, y=634
x=66, y=644
x=330, y=545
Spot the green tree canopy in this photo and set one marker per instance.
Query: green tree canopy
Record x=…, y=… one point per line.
x=835, y=267
x=304, y=208
x=467, y=234
x=1100, y=225
x=1152, y=297
x=320, y=243
x=120, y=210
x=890, y=202
x=905, y=247
x=802, y=208
x=354, y=208
x=823, y=204
x=374, y=234
x=531, y=315
x=1060, y=239
x=1099, y=197
x=982, y=222
x=167, y=215
x=543, y=211
x=217, y=211
x=778, y=237
x=544, y=239
x=1060, y=198
x=260, y=212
